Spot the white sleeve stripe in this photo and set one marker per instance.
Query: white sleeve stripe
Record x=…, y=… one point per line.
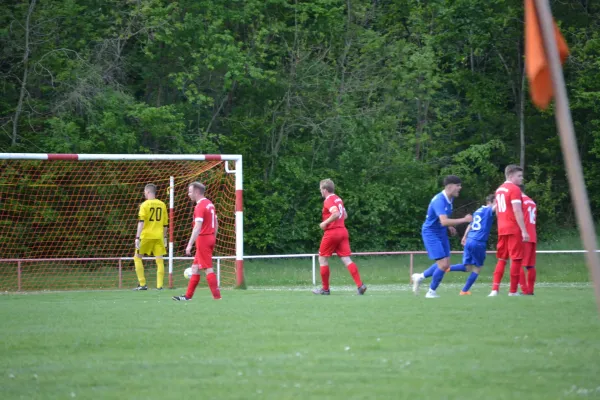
x=516, y=201
x=199, y=219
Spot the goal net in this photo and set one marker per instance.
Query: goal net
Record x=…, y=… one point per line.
x=69, y=221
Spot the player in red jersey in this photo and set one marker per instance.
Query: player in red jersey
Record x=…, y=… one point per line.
x=512, y=232
x=530, y=247
x=204, y=235
x=335, y=239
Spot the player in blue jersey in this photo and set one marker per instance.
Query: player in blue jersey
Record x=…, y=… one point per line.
x=435, y=233
x=475, y=242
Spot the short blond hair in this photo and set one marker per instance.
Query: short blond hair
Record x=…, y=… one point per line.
x=511, y=169
x=328, y=185
x=151, y=187
x=199, y=187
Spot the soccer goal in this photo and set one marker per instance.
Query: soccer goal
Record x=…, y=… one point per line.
x=68, y=221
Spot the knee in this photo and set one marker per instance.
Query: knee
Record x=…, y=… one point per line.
x=444, y=264
x=347, y=261
x=194, y=270
x=209, y=271
x=469, y=268
x=323, y=260
x=476, y=269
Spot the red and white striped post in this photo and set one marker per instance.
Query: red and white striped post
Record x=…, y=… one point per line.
x=239, y=225
x=18, y=276
x=171, y=227
x=120, y=273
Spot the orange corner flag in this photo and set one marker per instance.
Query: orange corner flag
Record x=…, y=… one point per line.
x=536, y=63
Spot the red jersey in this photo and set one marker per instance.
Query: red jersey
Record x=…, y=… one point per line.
x=507, y=195
x=331, y=203
x=530, y=214
x=205, y=214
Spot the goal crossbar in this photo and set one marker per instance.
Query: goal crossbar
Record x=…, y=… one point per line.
x=121, y=157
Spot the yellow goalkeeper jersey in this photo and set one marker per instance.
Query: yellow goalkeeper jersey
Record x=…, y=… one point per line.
x=155, y=217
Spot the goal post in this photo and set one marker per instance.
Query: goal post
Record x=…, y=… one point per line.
x=68, y=221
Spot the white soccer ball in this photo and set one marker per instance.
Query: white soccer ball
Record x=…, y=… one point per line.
x=187, y=273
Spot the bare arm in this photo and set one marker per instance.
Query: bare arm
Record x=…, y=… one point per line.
x=216, y=225
x=195, y=233
x=445, y=221
x=334, y=216
x=466, y=232
x=518, y=210
x=140, y=227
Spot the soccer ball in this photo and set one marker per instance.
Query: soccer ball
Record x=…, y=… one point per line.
x=187, y=273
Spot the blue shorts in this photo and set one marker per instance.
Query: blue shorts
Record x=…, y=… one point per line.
x=436, y=244
x=474, y=253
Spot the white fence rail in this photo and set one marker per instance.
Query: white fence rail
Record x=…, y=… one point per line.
x=313, y=257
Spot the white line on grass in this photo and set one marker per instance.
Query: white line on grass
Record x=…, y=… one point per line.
x=406, y=288
x=375, y=288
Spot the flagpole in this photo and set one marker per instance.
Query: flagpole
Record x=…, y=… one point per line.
x=569, y=146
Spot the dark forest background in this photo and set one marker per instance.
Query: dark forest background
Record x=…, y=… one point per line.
x=384, y=97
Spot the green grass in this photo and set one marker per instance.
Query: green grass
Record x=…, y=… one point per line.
x=279, y=272
x=564, y=239
x=278, y=341
x=289, y=344
x=395, y=270
x=283, y=272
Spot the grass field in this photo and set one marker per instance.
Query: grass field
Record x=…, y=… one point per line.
x=278, y=341
x=289, y=344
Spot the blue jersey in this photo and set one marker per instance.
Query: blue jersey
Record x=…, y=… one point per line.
x=482, y=224
x=439, y=205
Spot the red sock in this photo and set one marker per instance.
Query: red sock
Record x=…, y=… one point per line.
x=212, y=284
x=498, y=274
x=192, y=286
x=531, y=275
x=523, y=281
x=355, y=275
x=325, y=276
x=515, y=273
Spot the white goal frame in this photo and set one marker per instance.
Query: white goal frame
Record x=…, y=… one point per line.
x=236, y=159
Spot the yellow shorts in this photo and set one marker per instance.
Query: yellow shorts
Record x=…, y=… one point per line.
x=152, y=247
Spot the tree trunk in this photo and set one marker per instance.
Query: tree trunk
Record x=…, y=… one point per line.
x=19, y=108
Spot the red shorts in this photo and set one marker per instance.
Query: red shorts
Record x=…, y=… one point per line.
x=510, y=246
x=529, y=249
x=335, y=241
x=205, y=245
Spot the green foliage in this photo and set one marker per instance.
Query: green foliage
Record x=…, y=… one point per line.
x=383, y=97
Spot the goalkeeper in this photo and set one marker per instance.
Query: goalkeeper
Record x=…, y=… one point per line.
x=151, y=237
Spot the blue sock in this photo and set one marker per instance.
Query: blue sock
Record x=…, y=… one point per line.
x=458, y=267
x=470, y=281
x=438, y=275
x=428, y=273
